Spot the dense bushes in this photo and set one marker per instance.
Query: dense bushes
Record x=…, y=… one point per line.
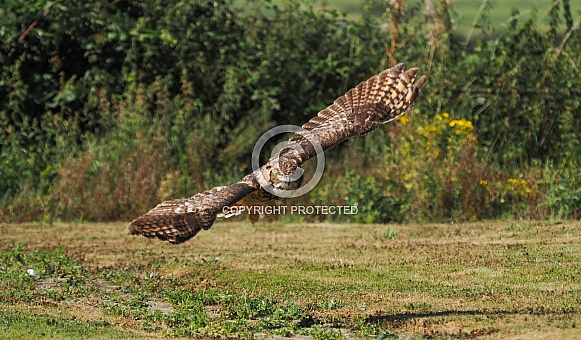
x=109, y=108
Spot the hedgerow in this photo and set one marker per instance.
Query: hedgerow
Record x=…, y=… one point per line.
x=108, y=108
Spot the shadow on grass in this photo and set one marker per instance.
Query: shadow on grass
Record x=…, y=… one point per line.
x=403, y=317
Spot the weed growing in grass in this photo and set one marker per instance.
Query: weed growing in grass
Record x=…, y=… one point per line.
x=334, y=304
x=14, y=274
x=56, y=263
x=22, y=273
x=389, y=234
x=420, y=306
x=320, y=332
x=188, y=318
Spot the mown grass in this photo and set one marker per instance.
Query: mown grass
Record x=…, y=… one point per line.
x=30, y=325
x=476, y=280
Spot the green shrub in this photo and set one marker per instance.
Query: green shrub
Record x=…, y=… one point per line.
x=108, y=109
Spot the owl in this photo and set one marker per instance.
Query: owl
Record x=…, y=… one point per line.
x=378, y=100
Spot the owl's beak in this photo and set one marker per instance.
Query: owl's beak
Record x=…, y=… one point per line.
x=295, y=176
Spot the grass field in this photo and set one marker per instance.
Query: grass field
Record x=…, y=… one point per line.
x=490, y=280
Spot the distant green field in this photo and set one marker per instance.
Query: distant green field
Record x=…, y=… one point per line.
x=501, y=10
x=467, y=10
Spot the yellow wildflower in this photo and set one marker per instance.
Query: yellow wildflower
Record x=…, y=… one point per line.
x=461, y=123
x=517, y=181
x=519, y=186
x=404, y=119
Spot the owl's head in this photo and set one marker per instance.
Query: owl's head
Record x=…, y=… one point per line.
x=285, y=174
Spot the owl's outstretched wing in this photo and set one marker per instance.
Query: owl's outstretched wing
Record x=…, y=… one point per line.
x=376, y=101
x=179, y=220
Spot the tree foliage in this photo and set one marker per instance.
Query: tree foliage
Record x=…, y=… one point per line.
x=108, y=107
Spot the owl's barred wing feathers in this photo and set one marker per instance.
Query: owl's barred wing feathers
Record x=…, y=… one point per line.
x=178, y=220
x=376, y=101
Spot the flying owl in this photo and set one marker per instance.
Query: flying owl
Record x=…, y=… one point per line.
x=378, y=100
